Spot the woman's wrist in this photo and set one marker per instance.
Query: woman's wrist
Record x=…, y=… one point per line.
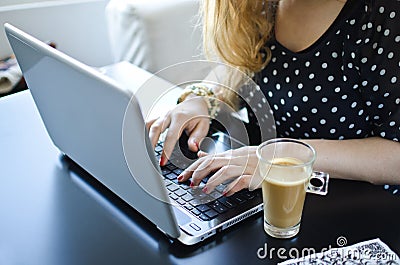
x=201, y=90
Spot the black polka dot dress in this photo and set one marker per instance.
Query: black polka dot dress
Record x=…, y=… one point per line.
x=344, y=86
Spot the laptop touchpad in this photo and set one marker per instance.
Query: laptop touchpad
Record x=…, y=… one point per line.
x=181, y=218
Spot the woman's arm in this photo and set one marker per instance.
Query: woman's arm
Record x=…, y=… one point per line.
x=373, y=159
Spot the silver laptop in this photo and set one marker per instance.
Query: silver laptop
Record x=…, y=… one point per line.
x=98, y=123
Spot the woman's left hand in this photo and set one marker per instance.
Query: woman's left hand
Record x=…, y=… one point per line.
x=237, y=166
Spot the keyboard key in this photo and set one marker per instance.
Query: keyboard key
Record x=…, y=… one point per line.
x=195, y=202
x=203, y=208
x=167, y=182
x=175, y=181
x=180, y=192
x=211, y=214
x=195, y=212
x=204, y=217
x=173, y=187
x=228, y=202
x=158, y=148
x=193, y=191
x=220, y=188
x=173, y=196
x=180, y=201
x=184, y=185
x=171, y=166
x=238, y=198
x=207, y=200
x=218, y=207
x=215, y=194
x=248, y=195
x=187, y=197
x=170, y=176
x=197, y=192
x=165, y=171
x=200, y=195
x=178, y=171
x=188, y=207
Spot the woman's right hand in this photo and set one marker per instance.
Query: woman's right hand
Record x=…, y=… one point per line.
x=190, y=116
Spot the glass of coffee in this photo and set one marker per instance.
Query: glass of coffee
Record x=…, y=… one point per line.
x=286, y=169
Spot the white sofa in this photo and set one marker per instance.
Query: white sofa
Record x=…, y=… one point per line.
x=154, y=34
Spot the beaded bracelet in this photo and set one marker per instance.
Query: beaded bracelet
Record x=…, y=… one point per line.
x=208, y=95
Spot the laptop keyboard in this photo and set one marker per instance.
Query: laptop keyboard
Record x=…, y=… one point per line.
x=204, y=206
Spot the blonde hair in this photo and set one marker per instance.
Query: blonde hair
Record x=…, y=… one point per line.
x=236, y=31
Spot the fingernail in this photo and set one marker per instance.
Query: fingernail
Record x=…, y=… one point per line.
x=180, y=177
x=191, y=185
x=205, y=189
x=162, y=161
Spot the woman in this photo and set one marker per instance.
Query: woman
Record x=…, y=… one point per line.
x=330, y=72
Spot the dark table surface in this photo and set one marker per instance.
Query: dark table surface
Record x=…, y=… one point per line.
x=50, y=215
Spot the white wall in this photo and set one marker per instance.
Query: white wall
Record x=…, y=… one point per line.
x=78, y=27
x=18, y=2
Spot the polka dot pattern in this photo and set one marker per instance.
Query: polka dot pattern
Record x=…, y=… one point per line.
x=346, y=84
x=393, y=189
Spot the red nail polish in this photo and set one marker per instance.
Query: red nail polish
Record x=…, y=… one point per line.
x=204, y=189
x=224, y=193
x=162, y=161
x=191, y=185
x=180, y=177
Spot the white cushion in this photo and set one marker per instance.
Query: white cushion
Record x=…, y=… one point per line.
x=154, y=34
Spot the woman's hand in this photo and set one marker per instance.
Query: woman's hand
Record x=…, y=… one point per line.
x=238, y=166
x=190, y=116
